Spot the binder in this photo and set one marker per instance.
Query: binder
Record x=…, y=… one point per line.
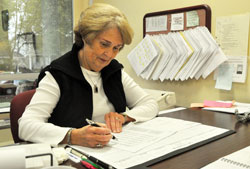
x=235, y=163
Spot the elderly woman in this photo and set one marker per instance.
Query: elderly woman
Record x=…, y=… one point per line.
x=87, y=83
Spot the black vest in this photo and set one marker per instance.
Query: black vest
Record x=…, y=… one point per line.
x=76, y=103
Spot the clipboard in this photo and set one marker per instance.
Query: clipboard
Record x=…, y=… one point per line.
x=203, y=12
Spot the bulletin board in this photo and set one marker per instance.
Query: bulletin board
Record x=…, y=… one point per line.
x=203, y=13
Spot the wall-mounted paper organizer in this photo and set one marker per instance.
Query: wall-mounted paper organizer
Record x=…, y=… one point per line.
x=177, y=45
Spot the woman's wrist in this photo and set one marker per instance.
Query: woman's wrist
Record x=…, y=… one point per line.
x=127, y=118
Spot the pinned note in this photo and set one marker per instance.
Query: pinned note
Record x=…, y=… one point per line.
x=225, y=77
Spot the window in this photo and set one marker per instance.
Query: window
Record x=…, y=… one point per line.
x=32, y=34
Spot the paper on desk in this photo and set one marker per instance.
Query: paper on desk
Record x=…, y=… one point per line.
x=134, y=139
x=196, y=105
x=184, y=134
x=241, y=107
x=12, y=159
x=211, y=103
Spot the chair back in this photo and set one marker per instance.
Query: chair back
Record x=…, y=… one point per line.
x=17, y=107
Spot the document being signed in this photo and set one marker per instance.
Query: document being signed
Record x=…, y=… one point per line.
x=136, y=137
x=142, y=142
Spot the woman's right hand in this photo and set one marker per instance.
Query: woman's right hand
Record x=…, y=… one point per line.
x=90, y=136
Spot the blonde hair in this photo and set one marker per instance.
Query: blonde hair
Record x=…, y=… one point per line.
x=98, y=18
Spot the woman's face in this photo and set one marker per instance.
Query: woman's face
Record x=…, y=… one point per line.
x=103, y=49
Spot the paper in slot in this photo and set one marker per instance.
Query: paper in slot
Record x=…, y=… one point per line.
x=173, y=58
x=184, y=55
x=146, y=74
x=164, y=58
x=142, y=55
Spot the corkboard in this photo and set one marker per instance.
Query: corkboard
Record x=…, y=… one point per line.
x=203, y=12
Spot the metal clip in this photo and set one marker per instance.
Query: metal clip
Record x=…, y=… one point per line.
x=242, y=117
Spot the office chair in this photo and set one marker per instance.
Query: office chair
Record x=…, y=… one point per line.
x=17, y=107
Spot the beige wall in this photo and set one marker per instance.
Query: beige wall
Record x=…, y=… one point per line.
x=78, y=7
x=191, y=90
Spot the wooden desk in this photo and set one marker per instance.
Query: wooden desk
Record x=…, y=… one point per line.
x=201, y=156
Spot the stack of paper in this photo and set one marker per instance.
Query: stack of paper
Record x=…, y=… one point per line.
x=177, y=55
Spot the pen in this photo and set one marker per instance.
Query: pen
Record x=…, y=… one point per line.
x=84, y=161
x=88, y=165
x=73, y=157
x=79, y=157
x=86, y=156
x=92, y=123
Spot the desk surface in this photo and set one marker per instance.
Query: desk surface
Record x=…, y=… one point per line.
x=201, y=156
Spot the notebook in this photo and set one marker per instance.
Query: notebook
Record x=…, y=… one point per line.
x=237, y=160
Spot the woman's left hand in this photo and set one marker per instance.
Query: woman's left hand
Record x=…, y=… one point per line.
x=114, y=121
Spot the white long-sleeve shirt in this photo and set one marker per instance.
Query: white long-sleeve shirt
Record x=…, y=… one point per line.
x=34, y=126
